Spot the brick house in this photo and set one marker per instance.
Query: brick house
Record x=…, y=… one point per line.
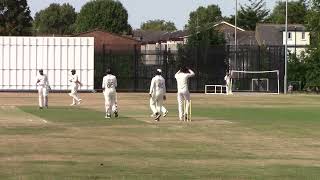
x=109, y=42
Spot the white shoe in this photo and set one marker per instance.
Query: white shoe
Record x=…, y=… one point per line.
x=73, y=104
x=79, y=101
x=152, y=115
x=165, y=114
x=107, y=116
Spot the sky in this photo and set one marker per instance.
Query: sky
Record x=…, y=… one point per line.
x=140, y=11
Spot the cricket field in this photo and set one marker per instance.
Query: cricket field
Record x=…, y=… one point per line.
x=239, y=137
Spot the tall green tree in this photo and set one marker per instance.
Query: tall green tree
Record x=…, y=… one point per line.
x=313, y=22
x=202, y=35
x=297, y=11
x=204, y=17
x=251, y=14
x=201, y=26
x=15, y=18
x=107, y=15
x=158, y=25
x=55, y=19
x=313, y=54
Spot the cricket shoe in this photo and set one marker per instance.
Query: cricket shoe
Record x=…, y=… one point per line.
x=108, y=116
x=152, y=115
x=73, y=104
x=79, y=101
x=165, y=113
x=157, y=116
x=186, y=117
x=116, y=114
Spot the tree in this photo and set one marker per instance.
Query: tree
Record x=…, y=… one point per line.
x=201, y=26
x=297, y=69
x=158, y=25
x=204, y=17
x=313, y=22
x=250, y=15
x=313, y=54
x=55, y=19
x=202, y=35
x=107, y=15
x=297, y=10
x=15, y=19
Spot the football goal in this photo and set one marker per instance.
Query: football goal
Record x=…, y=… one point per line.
x=256, y=81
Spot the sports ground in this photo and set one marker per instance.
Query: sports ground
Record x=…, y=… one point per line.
x=240, y=137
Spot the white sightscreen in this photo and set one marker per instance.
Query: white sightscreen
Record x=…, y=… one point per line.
x=22, y=57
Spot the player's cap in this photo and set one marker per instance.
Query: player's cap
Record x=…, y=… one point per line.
x=159, y=70
x=73, y=70
x=40, y=70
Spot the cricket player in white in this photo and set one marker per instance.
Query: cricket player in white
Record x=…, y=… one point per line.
x=75, y=83
x=109, y=85
x=182, y=77
x=157, y=95
x=227, y=78
x=43, y=89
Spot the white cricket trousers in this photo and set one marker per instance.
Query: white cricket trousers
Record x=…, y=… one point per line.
x=229, y=88
x=156, y=103
x=109, y=101
x=181, y=96
x=43, y=96
x=74, y=94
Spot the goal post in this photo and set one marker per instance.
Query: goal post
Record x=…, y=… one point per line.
x=256, y=81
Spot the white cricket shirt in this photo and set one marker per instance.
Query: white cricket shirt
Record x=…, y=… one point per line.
x=109, y=82
x=43, y=80
x=158, y=85
x=182, y=80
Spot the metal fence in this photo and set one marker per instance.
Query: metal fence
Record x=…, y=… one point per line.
x=135, y=68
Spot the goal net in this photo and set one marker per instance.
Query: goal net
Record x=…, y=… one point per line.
x=255, y=81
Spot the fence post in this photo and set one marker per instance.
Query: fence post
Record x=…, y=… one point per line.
x=197, y=67
x=166, y=57
x=135, y=57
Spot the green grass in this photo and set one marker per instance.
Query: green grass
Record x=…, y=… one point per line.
x=274, y=143
x=77, y=116
x=295, y=121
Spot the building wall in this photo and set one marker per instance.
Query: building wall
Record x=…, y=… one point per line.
x=22, y=57
x=150, y=51
x=110, y=42
x=296, y=38
x=296, y=42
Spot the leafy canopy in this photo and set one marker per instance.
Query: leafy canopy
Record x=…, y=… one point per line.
x=107, y=15
x=15, y=18
x=55, y=19
x=297, y=11
x=158, y=25
x=251, y=14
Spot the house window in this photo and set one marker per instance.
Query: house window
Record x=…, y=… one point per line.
x=289, y=35
x=303, y=36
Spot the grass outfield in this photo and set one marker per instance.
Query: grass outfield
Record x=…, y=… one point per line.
x=230, y=138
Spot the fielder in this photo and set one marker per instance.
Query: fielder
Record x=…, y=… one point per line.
x=75, y=83
x=227, y=78
x=43, y=89
x=183, y=94
x=109, y=85
x=157, y=95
